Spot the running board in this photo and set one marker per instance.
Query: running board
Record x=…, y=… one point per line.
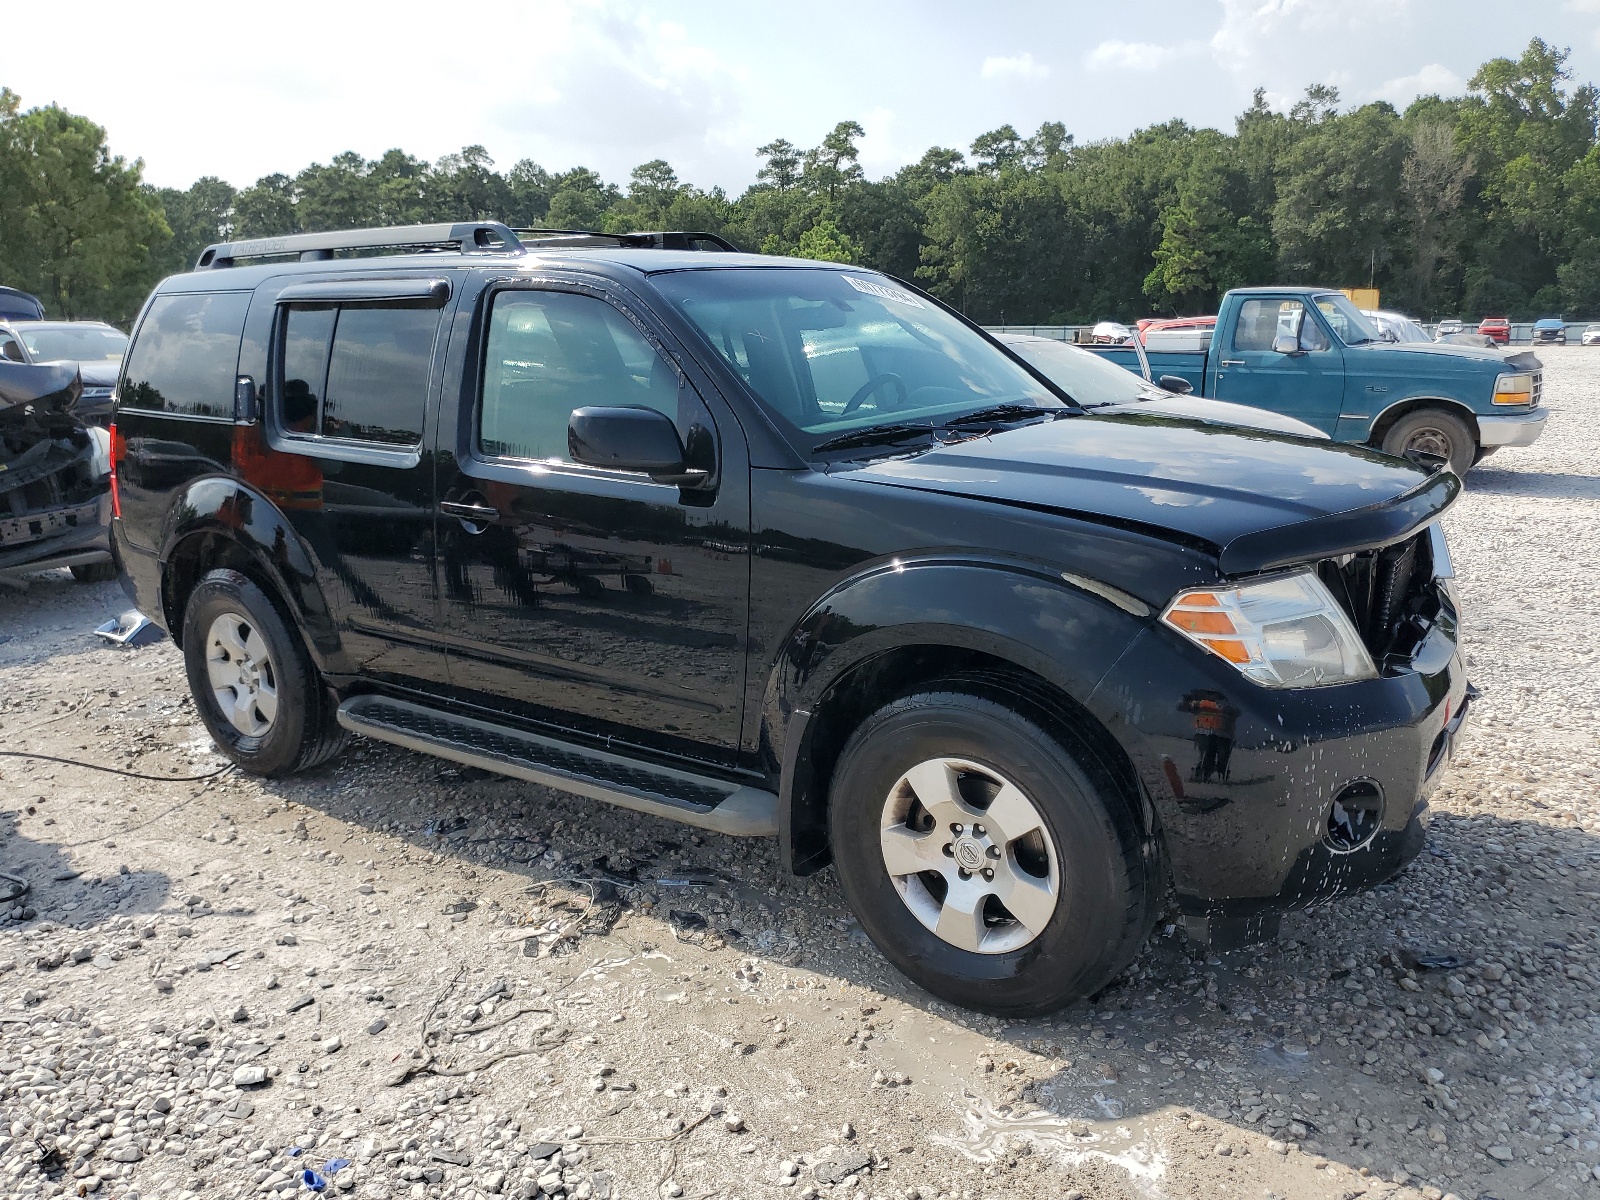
x=697, y=800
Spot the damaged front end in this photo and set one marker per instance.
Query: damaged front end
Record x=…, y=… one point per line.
x=55, y=477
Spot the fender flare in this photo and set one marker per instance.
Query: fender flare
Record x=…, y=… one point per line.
x=225, y=507
x=1020, y=613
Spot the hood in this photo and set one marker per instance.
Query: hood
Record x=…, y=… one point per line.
x=1522, y=360
x=1257, y=500
x=52, y=386
x=1196, y=408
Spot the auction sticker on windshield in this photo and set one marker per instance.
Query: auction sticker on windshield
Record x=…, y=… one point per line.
x=883, y=292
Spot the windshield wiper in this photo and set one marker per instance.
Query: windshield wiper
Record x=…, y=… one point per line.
x=875, y=435
x=1003, y=412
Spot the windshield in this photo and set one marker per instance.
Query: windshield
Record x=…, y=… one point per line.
x=1082, y=374
x=84, y=343
x=1353, y=329
x=828, y=352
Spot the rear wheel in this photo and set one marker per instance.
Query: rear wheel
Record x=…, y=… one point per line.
x=1436, y=432
x=253, y=683
x=981, y=857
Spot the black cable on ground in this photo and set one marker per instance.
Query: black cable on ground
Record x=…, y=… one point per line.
x=72, y=762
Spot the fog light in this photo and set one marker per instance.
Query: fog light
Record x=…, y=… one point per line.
x=1354, y=816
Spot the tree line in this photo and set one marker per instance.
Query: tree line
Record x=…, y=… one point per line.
x=1468, y=205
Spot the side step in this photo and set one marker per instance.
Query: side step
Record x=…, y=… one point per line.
x=697, y=800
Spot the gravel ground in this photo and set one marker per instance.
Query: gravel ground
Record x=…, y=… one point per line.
x=418, y=980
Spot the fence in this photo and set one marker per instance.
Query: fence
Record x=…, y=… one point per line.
x=1521, y=332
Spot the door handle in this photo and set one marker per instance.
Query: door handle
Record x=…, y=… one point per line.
x=469, y=512
x=1231, y=362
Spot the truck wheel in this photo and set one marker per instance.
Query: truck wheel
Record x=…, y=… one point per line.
x=253, y=683
x=1434, y=431
x=982, y=859
x=95, y=572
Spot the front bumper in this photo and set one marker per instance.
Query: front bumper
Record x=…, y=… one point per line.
x=1242, y=778
x=68, y=536
x=1518, y=429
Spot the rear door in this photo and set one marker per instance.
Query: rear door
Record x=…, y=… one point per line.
x=592, y=599
x=353, y=376
x=1307, y=384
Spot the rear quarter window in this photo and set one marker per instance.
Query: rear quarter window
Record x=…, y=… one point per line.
x=185, y=355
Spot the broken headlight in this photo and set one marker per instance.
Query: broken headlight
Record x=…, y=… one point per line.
x=1283, y=632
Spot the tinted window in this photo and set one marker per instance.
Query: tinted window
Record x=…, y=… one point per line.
x=308, y=335
x=186, y=356
x=551, y=352
x=358, y=372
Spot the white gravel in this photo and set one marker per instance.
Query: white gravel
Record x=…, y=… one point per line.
x=381, y=963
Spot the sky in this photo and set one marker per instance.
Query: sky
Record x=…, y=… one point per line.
x=241, y=91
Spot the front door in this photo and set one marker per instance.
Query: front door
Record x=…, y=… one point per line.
x=1307, y=384
x=592, y=599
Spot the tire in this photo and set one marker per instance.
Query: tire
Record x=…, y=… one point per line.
x=95, y=572
x=1434, y=431
x=957, y=750
x=237, y=647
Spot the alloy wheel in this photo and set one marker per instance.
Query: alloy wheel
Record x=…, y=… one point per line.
x=243, y=680
x=970, y=856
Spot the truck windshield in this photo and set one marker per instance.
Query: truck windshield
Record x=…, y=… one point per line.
x=1353, y=328
x=828, y=352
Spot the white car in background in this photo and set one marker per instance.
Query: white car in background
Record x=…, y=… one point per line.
x=1591, y=335
x=1446, y=328
x=1396, y=327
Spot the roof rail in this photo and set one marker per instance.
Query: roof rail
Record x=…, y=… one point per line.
x=655, y=240
x=467, y=236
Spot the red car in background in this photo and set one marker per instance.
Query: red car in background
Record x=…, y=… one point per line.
x=1499, y=328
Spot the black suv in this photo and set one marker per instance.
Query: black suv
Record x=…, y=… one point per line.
x=779, y=547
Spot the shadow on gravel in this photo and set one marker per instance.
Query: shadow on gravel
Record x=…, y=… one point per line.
x=1324, y=1039
x=1547, y=486
x=56, y=615
x=69, y=895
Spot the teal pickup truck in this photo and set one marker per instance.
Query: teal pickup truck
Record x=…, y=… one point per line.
x=1309, y=353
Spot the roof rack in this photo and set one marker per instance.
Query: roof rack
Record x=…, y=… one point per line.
x=653, y=240
x=469, y=237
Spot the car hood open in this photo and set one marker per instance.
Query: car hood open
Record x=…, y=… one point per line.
x=1258, y=500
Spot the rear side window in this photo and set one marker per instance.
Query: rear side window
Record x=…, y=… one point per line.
x=551, y=352
x=185, y=357
x=357, y=372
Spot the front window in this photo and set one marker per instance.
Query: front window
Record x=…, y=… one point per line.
x=1262, y=322
x=1353, y=328
x=84, y=343
x=829, y=351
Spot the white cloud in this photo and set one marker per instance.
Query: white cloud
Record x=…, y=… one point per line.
x=1256, y=35
x=1117, y=55
x=1433, y=79
x=1018, y=66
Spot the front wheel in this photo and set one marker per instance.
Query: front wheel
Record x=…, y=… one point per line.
x=982, y=859
x=253, y=683
x=1436, y=432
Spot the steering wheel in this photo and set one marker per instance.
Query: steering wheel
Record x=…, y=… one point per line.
x=872, y=385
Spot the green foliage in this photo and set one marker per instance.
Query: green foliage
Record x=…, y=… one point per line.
x=827, y=243
x=1463, y=205
x=79, y=229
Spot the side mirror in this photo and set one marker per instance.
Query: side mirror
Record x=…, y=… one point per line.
x=631, y=439
x=1286, y=343
x=1176, y=383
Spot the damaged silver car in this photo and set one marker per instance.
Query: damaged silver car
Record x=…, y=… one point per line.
x=55, y=478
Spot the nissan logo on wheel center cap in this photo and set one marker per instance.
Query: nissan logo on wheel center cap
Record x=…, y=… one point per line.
x=969, y=854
